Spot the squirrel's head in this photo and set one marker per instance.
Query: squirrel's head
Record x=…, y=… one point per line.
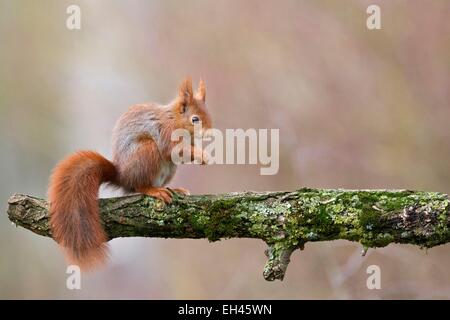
x=190, y=108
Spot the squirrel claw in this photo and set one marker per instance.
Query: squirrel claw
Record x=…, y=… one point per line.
x=182, y=191
x=163, y=194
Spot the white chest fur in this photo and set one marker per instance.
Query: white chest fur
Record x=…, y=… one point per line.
x=166, y=170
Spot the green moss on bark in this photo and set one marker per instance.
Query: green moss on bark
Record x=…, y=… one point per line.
x=284, y=220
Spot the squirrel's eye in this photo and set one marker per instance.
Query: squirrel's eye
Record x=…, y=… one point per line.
x=195, y=119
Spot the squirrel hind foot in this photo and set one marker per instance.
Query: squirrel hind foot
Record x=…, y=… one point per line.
x=163, y=194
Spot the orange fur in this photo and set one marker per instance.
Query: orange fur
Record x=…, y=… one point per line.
x=161, y=193
x=141, y=163
x=74, y=213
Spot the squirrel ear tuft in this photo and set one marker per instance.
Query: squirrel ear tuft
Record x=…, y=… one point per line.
x=201, y=91
x=185, y=92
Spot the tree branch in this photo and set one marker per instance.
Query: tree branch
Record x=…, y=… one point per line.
x=284, y=220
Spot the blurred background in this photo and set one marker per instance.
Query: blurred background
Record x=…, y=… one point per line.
x=355, y=108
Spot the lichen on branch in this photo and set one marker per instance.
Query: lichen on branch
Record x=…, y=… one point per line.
x=284, y=220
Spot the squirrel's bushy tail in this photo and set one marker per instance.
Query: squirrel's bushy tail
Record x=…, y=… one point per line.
x=74, y=212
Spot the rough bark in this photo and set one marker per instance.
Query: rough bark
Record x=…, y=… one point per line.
x=284, y=220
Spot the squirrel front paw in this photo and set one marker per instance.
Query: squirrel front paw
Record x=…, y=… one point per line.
x=201, y=157
x=206, y=158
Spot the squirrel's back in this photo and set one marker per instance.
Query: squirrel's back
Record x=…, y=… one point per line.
x=140, y=124
x=138, y=119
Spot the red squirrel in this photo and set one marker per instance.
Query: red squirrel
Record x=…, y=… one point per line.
x=141, y=164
